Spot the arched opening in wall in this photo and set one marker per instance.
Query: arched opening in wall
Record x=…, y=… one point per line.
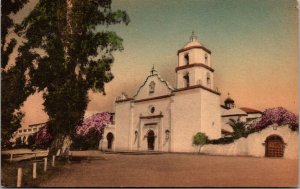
x=208, y=79
x=205, y=56
x=186, y=78
x=274, y=146
x=186, y=59
x=110, y=139
x=150, y=140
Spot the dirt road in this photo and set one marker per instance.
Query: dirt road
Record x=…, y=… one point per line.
x=114, y=170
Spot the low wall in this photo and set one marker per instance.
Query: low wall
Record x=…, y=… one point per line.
x=253, y=145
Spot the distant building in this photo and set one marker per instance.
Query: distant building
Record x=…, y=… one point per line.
x=24, y=133
x=230, y=111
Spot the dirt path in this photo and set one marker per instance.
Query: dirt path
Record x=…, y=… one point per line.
x=178, y=170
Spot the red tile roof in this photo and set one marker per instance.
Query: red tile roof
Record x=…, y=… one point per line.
x=250, y=110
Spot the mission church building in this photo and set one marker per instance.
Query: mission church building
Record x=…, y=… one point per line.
x=160, y=117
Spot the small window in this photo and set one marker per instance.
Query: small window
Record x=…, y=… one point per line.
x=208, y=79
x=186, y=77
x=20, y=131
x=29, y=130
x=151, y=109
x=25, y=130
x=151, y=87
x=206, y=58
x=34, y=129
x=186, y=59
x=167, y=134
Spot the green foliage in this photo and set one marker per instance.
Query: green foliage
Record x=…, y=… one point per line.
x=238, y=127
x=77, y=56
x=13, y=81
x=200, y=139
x=18, y=143
x=87, y=142
x=31, y=140
x=225, y=140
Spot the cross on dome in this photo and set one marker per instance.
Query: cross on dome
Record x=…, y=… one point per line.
x=193, y=37
x=193, y=41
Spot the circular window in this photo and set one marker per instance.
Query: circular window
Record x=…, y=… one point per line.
x=151, y=109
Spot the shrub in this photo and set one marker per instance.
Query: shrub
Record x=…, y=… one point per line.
x=279, y=116
x=225, y=140
x=43, y=137
x=89, y=141
x=88, y=133
x=18, y=142
x=199, y=140
x=31, y=140
x=238, y=127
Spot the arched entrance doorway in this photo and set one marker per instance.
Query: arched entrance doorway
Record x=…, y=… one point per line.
x=274, y=146
x=110, y=138
x=150, y=140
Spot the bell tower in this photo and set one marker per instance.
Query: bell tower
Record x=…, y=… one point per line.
x=194, y=65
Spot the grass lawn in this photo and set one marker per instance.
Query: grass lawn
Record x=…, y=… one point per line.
x=9, y=172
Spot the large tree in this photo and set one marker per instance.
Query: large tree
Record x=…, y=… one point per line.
x=75, y=55
x=14, y=90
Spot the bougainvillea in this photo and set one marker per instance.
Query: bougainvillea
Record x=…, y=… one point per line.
x=279, y=116
x=96, y=122
x=43, y=137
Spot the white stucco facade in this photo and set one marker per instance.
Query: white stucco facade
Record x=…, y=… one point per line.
x=173, y=115
x=161, y=117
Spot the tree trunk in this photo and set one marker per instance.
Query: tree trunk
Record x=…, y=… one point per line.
x=199, y=149
x=56, y=144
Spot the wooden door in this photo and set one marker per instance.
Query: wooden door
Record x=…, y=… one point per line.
x=274, y=146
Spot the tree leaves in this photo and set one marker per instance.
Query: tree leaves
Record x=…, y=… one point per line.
x=13, y=80
x=76, y=57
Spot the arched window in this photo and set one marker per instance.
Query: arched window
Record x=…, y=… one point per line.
x=186, y=77
x=206, y=58
x=186, y=59
x=167, y=134
x=151, y=87
x=208, y=79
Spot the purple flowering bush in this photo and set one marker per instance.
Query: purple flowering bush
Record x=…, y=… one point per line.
x=279, y=116
x=90, y=130
x=96, y=122
x=43, y=137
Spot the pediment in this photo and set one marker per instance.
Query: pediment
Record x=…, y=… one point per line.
x=153, y=86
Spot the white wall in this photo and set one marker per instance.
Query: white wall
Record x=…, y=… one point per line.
x=122, y=124
x=210, y=114
x=103, y=144
x=186, y=119
x=253, y=144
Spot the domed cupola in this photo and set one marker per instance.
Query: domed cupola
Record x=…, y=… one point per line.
x=193, y=41
x=194, y=65
x=229, y=102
